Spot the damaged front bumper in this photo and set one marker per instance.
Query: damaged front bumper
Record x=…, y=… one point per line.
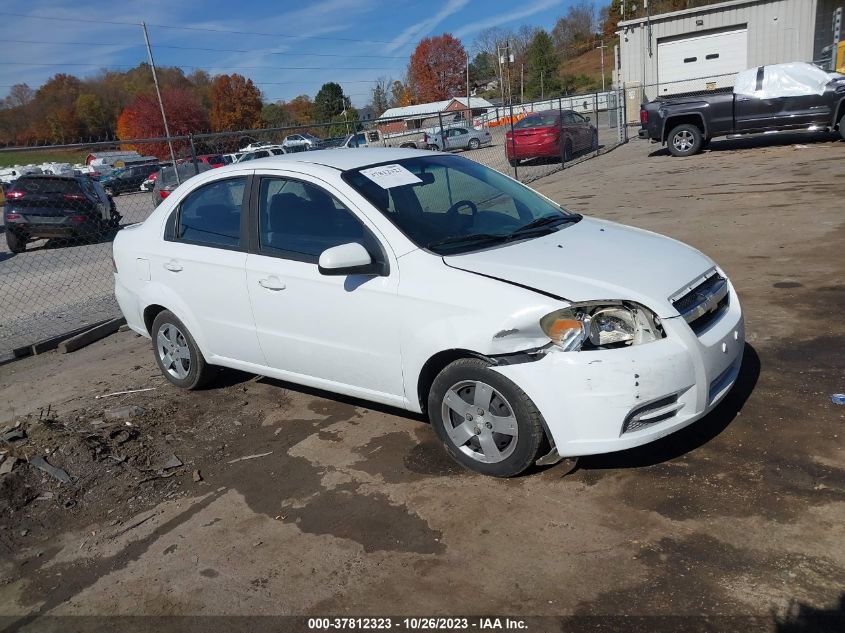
x=609, y=400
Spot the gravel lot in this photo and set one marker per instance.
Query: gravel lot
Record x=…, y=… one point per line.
x=357, y=510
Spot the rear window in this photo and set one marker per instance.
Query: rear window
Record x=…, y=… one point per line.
x=216, y=160
x=46, y=185
x=544, y=119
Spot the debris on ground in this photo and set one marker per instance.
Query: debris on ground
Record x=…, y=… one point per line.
x=58, y=474
x=7, y=465
x=196, y=476
x=129, y=411
x=837, y=398
x=13, y=435
x=241, y=459
x=171, y=462
x=123, y=393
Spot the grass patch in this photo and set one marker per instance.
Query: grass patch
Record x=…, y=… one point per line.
x=36, y=157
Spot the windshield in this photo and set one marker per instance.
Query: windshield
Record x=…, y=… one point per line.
x=545, y=119
x=450, y=204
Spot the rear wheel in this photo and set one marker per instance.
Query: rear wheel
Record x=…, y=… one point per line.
x=566, y=151
x=473, y=143
x=485, y=421
x=17, y=243
x=685, y=140
x=513, y=162
x=842, y=126
x=177, y=354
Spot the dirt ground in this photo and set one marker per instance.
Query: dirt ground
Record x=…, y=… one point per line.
x=348, y=508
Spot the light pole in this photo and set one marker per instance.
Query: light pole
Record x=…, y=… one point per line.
x=602, y=47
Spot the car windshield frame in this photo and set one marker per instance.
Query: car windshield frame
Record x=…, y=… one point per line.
x=528, y=205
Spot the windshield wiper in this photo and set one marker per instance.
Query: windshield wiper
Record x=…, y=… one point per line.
x=546, y=221
x=472, y=238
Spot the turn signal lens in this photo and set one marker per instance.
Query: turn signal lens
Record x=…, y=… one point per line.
x=568, y=333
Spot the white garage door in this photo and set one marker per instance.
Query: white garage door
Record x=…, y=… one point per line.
x=681, y=63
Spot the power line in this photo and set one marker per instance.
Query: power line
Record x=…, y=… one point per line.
x=200, y=48
x=195, y=28
x=5, y=63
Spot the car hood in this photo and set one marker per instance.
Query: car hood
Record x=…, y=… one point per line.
x=594, y=260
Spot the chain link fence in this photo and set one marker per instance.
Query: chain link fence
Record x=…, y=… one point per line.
x=55, y=260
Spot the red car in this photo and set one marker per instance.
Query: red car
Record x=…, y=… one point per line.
x=553, y=134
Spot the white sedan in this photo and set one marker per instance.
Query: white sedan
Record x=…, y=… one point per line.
x=429, y=282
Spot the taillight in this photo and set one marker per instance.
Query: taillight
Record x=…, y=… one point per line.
x=78, y=218
x=15, y=195
x=14, y=216
x=644, y=116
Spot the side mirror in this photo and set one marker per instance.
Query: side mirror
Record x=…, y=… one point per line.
x=588, y=119
x=347, y=259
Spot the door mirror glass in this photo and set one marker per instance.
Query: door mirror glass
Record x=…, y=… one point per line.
x=346, y=259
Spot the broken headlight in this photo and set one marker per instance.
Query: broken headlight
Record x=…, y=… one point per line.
x=605, y=325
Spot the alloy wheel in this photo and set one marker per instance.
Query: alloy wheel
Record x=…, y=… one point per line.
x=683, y=141
x=480, y=421
x=173, y=351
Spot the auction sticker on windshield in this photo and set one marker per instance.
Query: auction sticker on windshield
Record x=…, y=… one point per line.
x=387, y=176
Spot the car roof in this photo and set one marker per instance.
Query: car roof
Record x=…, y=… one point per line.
x=340, y=158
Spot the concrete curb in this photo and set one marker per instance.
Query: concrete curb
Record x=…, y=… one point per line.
x=90, y=336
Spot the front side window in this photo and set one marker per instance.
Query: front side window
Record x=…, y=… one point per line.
x=211, y=215
x=299, y=220
x=455, y=204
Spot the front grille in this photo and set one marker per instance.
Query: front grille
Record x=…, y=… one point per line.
x=651, y=413
x=704, y=302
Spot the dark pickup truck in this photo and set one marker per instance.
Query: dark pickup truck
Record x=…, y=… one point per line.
x=685, y=124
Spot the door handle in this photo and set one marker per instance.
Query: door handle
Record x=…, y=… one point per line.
x=271, y=283
x=173, y=266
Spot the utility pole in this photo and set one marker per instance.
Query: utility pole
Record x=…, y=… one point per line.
x=602, y=47
x=506, y=59
x=160, y=102
x=469, y=109
x=522, y=83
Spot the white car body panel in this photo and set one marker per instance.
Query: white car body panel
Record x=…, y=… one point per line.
x=371, y=336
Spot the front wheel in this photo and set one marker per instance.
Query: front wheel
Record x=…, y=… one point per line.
x=685, y=140
x=177, y=354
x=486, y=423
x=16, y=243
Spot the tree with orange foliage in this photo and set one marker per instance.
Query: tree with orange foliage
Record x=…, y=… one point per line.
x=235, y=103
x=437, y=67
x=142, y=119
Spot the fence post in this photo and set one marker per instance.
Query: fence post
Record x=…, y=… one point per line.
x=441, y=134
x=513, y=145
x=596, y=112
x=193, y=155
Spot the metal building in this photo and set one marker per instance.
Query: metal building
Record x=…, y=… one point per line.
x=668, y=53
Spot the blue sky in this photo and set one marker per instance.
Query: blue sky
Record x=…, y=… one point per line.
x=302, y=44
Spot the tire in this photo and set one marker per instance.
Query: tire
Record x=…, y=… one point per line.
x=513, y=162
x=705, y=143
x=16, y=243
x=842, y=126
x=566, y=151
x=594, y=142
x=194, y=374
x=473, y=143
x=112, y=192
x=470, y=437
x=684, y=140
x=114, y=217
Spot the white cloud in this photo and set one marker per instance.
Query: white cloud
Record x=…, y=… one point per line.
x=424, y=27
x=505, y=18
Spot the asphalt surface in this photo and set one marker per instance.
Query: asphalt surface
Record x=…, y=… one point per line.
x=734, y=524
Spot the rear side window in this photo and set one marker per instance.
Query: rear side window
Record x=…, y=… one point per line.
x=46, y=185
x=211, y=215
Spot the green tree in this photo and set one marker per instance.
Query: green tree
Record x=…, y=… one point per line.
x=91, y=115
x=275, y=115
x=380, y=101
x=482, y=67
x=542, y=67
x=329, y=102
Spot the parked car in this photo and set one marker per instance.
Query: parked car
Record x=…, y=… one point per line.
x=232, y=158
x=212, y=160
x=459, y=138
x=527, y=333
x=779, y=97
x=300, y=142
x=166, y=182
x=39, y=206
x=265, y=152
x=254, y=146
x=557, y=134
x=127, y=179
